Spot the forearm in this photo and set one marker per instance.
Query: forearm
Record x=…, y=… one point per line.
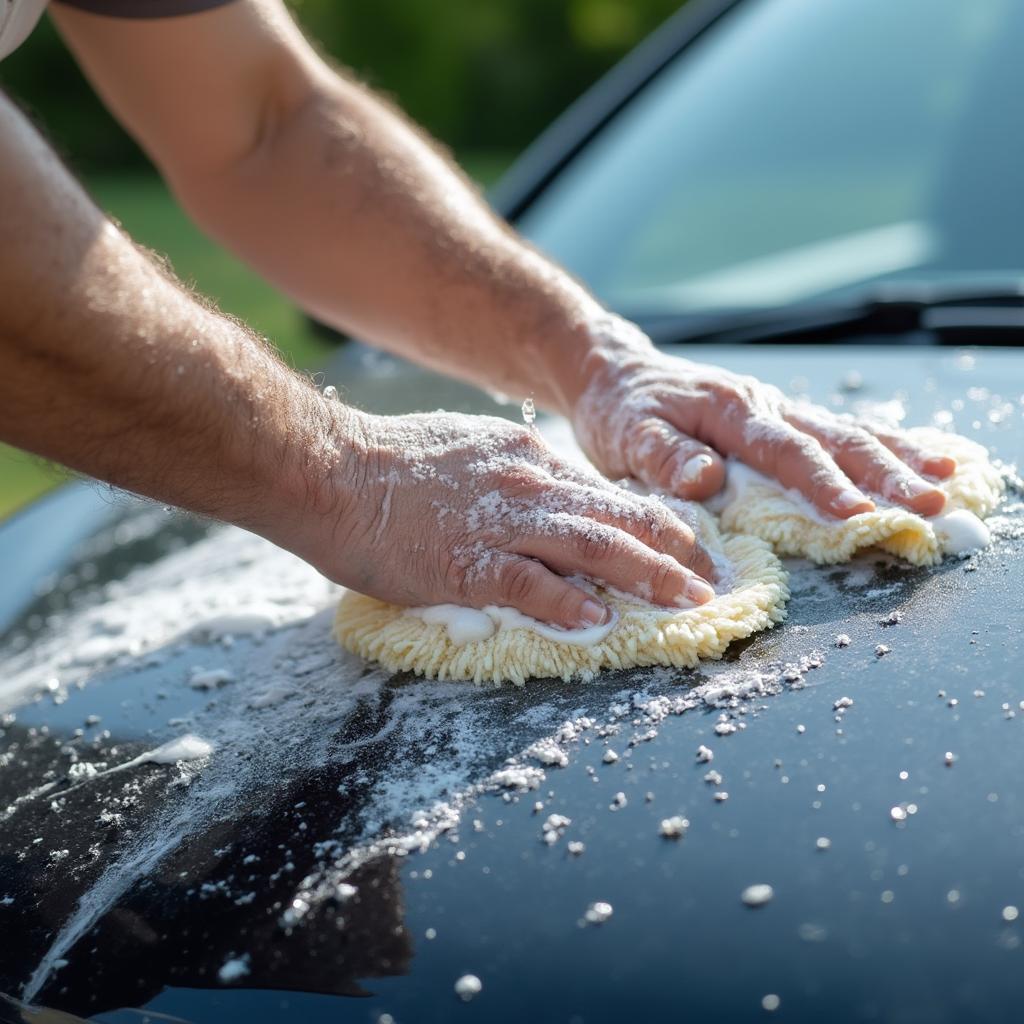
x=348, y=209
x=110, y=367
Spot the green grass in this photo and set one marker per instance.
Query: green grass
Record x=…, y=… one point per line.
x=148, y=213
x=23, y=478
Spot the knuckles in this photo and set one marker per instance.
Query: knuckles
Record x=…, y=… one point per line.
x=522, y=479
x=799, y=446
x=519, y=439
x=822, y=486
x=859, y=443
x=595, y=546
x=657, y=525
x=648, y=521
x=663, y=578
x=662, y=468
x=517, y=581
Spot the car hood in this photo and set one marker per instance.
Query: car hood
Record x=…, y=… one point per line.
x=330, y=831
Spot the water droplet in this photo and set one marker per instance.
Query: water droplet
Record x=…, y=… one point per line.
x=529, y=412
x=810, y=932
x=331, y=393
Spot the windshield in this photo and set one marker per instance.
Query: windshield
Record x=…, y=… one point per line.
x=798, y=150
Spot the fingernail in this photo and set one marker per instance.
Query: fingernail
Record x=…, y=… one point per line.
x=919, y=487
x=693, y=469
x=941, y=466
x=904, y=489
x=935, y=503
x=698, y=591
x=850, y=499
x=593, y=613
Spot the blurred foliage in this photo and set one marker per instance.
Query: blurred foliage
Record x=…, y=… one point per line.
x=478, y=74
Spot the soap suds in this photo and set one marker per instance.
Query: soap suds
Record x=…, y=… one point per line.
x=466, y=625
x=757, y=895
x=184, y=749
x=961, y=532
x=203, y=594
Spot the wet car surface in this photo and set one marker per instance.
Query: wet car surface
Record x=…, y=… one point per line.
x=356, y=843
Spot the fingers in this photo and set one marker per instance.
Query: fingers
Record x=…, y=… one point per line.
x=646, y=519
x=871, y=464
x=533, y=589
x=914, y=455
x=797, y=459
x=583, y=547
x=664, y=458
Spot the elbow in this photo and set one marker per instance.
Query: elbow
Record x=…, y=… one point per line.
x=217, y=183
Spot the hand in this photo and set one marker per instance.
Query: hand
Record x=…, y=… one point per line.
x=668, y=422
x=476, y=511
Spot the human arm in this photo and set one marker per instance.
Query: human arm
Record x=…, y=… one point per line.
x=344, y=205
x=112, y=367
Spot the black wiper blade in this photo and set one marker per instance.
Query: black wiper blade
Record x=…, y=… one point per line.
x=922, y=312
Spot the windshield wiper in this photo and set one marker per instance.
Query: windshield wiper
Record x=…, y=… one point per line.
x=922, y=313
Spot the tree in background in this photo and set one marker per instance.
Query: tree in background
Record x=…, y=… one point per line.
x=481, y=75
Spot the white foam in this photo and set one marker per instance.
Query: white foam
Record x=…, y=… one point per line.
x=229, y=585
x=272, y=695
x=210, y=678
x=960, y=532
x=406, y=813
x=466, y=625
x=184, y=748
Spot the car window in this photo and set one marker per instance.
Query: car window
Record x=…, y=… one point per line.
x=800, y=148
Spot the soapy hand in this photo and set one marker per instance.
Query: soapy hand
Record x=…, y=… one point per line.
x=475, y=511
x=668, y=423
